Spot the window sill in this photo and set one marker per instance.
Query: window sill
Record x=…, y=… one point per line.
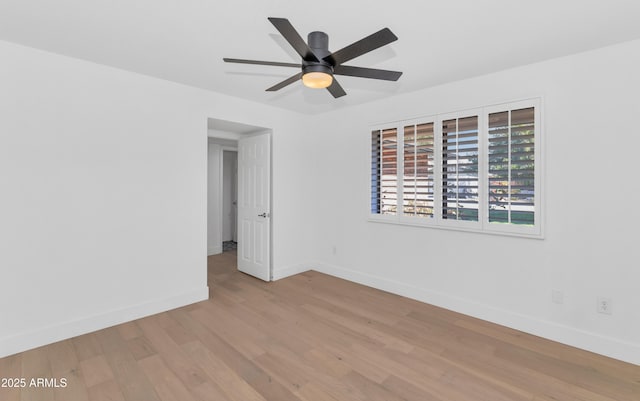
x=450, y=227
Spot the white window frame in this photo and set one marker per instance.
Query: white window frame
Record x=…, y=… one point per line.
x=482, y=225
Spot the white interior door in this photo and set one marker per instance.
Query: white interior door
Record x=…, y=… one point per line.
x=254, y=206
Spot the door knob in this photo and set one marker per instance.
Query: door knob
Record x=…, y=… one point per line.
x=265, y=215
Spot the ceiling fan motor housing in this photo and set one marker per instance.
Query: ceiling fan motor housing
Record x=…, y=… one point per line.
x=319, y=43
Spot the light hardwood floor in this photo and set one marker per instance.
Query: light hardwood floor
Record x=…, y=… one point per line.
x=316, y=338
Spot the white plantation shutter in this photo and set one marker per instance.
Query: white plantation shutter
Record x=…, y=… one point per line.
x=418, y=181
x=384, y=167
x=511, y=172
x=460, y=155
x=375, y=172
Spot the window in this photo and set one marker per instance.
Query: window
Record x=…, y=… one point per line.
x=475, y=170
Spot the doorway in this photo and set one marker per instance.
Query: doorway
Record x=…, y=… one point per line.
x=229, y=199
x=220, y=193
x=234, y=225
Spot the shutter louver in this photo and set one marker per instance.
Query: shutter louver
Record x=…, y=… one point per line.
x=460, y=169
x=512, y=167
x=384, y=170
x=418, y=182
x=375, y=172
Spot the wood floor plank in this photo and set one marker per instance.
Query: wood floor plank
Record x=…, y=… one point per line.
x=362, y=328
x=624, y=371
x=521, y=376
x=312, y=392
x=208, y=391
x=166, y=384
x=182, y=366
x=96, y=370
x=106, y=391
x=129, y=330
x=326, y=362
x=226, y=378
x=288, y=366
x=140, y=348
x=65, y=365
x=10, y=369
x=86, y=346
x=35, y=365
x=313, y=337
x=372, y=391
x=348, y=296
x=234, y=331
x=247, y=369
x=132, y=381
x=581, y=376
x=408, y=391
x=286, y=373
x=272, y=328
x=179, y=334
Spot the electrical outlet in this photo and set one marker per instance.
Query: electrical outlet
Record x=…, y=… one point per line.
x=605, y=305
x=557, y=297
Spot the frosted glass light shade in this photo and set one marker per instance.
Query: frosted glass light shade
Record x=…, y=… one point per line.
x=317, y=80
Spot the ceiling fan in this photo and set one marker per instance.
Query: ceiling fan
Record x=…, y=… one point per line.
x=319, y=65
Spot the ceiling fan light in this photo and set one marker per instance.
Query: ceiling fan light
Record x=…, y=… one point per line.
x=317, y=80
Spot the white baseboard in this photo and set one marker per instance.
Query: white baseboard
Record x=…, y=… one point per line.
x=290, y=271
x=214, y=250
x=611, y=347
x=47, y=335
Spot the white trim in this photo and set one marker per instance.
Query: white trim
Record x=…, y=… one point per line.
x=214, y=250
x=214, y=133
x=611, y=347
x=290, y=271
x=220, y=198
x=426, y=223
x=58, y=332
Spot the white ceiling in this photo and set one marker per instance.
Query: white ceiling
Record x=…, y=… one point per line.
x=439, y=41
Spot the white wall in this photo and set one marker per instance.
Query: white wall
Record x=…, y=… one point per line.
x=104, y=186
x=214, y=191
x=591, y=111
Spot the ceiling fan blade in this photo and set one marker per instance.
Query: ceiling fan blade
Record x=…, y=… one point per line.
x=356, y=49
x=293, y=37
x=275, y=63
x=286, y=82
x=372, y=73
x=335, y=89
